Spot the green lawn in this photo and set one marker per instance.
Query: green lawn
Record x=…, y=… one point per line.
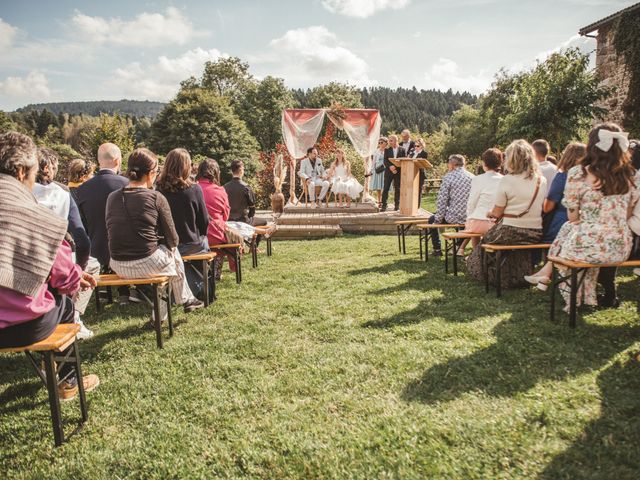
x=342, y=359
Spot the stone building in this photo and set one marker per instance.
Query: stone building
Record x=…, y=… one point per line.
x=610, y=67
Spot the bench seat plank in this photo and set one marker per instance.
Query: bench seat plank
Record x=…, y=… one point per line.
x=573, y=264
x=112, y=280
x=454, y=235
x=440, y=225
x=414, y=221
x=199, y=256
x=224, y=245
x=63, y=336
x=489, y=247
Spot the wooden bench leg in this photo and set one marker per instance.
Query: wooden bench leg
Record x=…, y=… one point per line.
x=420, y=242
x=498, y=273
x=169, y=314
x=83, y=396
x=398, y=228
x=205, y=281
x=484, y=257
x=238, y=266
x=573, y=298
x=156, y=313
x=54, y=399
x=254, y=253
x=404, y=235
x=554, y=285
x=454, y=252
x=269, y=247
x=98, y=304
x=446, y=255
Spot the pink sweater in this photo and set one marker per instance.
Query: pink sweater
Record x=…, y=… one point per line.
x=65, y=277
x=217, y=202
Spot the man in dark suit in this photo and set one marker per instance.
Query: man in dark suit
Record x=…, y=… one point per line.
x=406, y=142
x=241, y=198
x=419, y=151
x=392, y=173
x=92, y=201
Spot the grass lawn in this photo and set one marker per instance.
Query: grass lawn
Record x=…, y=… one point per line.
x=340, y=358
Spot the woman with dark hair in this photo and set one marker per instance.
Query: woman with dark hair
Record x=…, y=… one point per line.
x=186, y=201
x=553, y=207
x=483, y=194
x=142, y=238
x=217, y=203
x=39, y=276
x=599, y=196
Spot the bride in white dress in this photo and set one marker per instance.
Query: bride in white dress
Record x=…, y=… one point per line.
x=343, y=184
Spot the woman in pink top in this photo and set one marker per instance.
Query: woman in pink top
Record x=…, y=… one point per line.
x=217, y=202
x=39, y=276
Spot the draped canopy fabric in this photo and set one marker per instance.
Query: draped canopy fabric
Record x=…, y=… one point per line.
x=301, y=128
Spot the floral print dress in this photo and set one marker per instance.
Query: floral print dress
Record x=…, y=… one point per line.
x=602, y=234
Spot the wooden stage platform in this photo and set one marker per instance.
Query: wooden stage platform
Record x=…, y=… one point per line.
x=300, y=222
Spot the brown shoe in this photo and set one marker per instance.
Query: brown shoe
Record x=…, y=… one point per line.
x=68, y=390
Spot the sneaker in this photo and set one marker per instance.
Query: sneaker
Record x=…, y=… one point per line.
x=437, y=253
x=192, y=305
x=84, y=332
x=68, y=389
x=636, y=271
x=123, y=300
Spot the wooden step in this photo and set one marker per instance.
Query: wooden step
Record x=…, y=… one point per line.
x=291, y=232
x=332, y=208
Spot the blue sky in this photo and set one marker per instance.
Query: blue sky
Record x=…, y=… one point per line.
x=70, y=50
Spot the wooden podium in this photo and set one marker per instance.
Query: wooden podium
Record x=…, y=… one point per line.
x=409, y=182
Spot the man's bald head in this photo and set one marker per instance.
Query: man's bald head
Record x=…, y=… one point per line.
x=109, y=156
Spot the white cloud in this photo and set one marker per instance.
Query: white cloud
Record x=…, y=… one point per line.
x=312, y=56
x=584, y=44
x=362, y=8
x=160, y=80
x=7, y=33
x=445, y=74
x=146, y=29
x=33, y=87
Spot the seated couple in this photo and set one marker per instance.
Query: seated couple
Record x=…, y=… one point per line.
x=338, y=177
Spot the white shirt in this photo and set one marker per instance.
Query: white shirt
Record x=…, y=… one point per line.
x=54, y=197
x=548, y=171
x=483, y=195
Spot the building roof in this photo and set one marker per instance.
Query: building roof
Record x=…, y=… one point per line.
x=609, y=19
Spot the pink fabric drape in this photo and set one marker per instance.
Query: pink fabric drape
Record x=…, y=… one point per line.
x=301, y=129
x=362, y=126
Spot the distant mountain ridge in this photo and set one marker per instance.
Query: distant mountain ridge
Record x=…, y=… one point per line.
x=138, y=108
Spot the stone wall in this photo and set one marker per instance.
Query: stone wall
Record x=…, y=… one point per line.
x=612, y=72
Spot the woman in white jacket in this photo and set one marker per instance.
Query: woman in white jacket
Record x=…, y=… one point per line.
x=483, y=193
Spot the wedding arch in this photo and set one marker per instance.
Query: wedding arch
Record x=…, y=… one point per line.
x=301, y=128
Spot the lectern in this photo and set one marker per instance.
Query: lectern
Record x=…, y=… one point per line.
x=409, y=183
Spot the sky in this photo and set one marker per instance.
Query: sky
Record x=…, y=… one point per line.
x=109, y=50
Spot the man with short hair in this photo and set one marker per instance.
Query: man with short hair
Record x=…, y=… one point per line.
x=451, y=206
x=241, y=197
x=392, y=173
x=541, y=148
x=313, y=173
x=406, y=143
x=92, y=202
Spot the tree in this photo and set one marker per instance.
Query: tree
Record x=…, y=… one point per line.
x=333, y=93
x=557, y=100
x=113, y=129
x=205, y=124
x=468, y=134
x=227, y=77
x=261, y=109
x=6, y=125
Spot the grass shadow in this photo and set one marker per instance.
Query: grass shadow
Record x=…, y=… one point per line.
x=527, y=350
x=608, y=446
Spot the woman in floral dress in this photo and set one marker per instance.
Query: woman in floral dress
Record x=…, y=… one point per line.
x=599, y=197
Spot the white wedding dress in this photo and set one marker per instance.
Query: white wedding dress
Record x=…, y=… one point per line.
x=341, y=183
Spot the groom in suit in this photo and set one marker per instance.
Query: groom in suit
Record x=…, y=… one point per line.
x=392, y=173
x=313, y=173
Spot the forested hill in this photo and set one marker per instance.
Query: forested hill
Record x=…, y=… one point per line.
x=95, y=108
x=417, y=110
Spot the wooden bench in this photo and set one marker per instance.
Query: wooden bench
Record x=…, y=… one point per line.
x=574, y=278
x=450, y=245
x=403, y=226
x=267, y=232
x=425, y=229
x=501, y=252
x=233, y=248
x=204, y=259
x=161, y=290
x=63, y=337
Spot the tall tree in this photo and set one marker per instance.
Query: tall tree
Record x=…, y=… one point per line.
x=227, y=77
x=113, y=129
x=261, y=109
x=205, y=124
x=333, y=93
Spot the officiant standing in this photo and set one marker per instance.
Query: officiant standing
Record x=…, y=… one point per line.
x=392, y=173
x=312, y=172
